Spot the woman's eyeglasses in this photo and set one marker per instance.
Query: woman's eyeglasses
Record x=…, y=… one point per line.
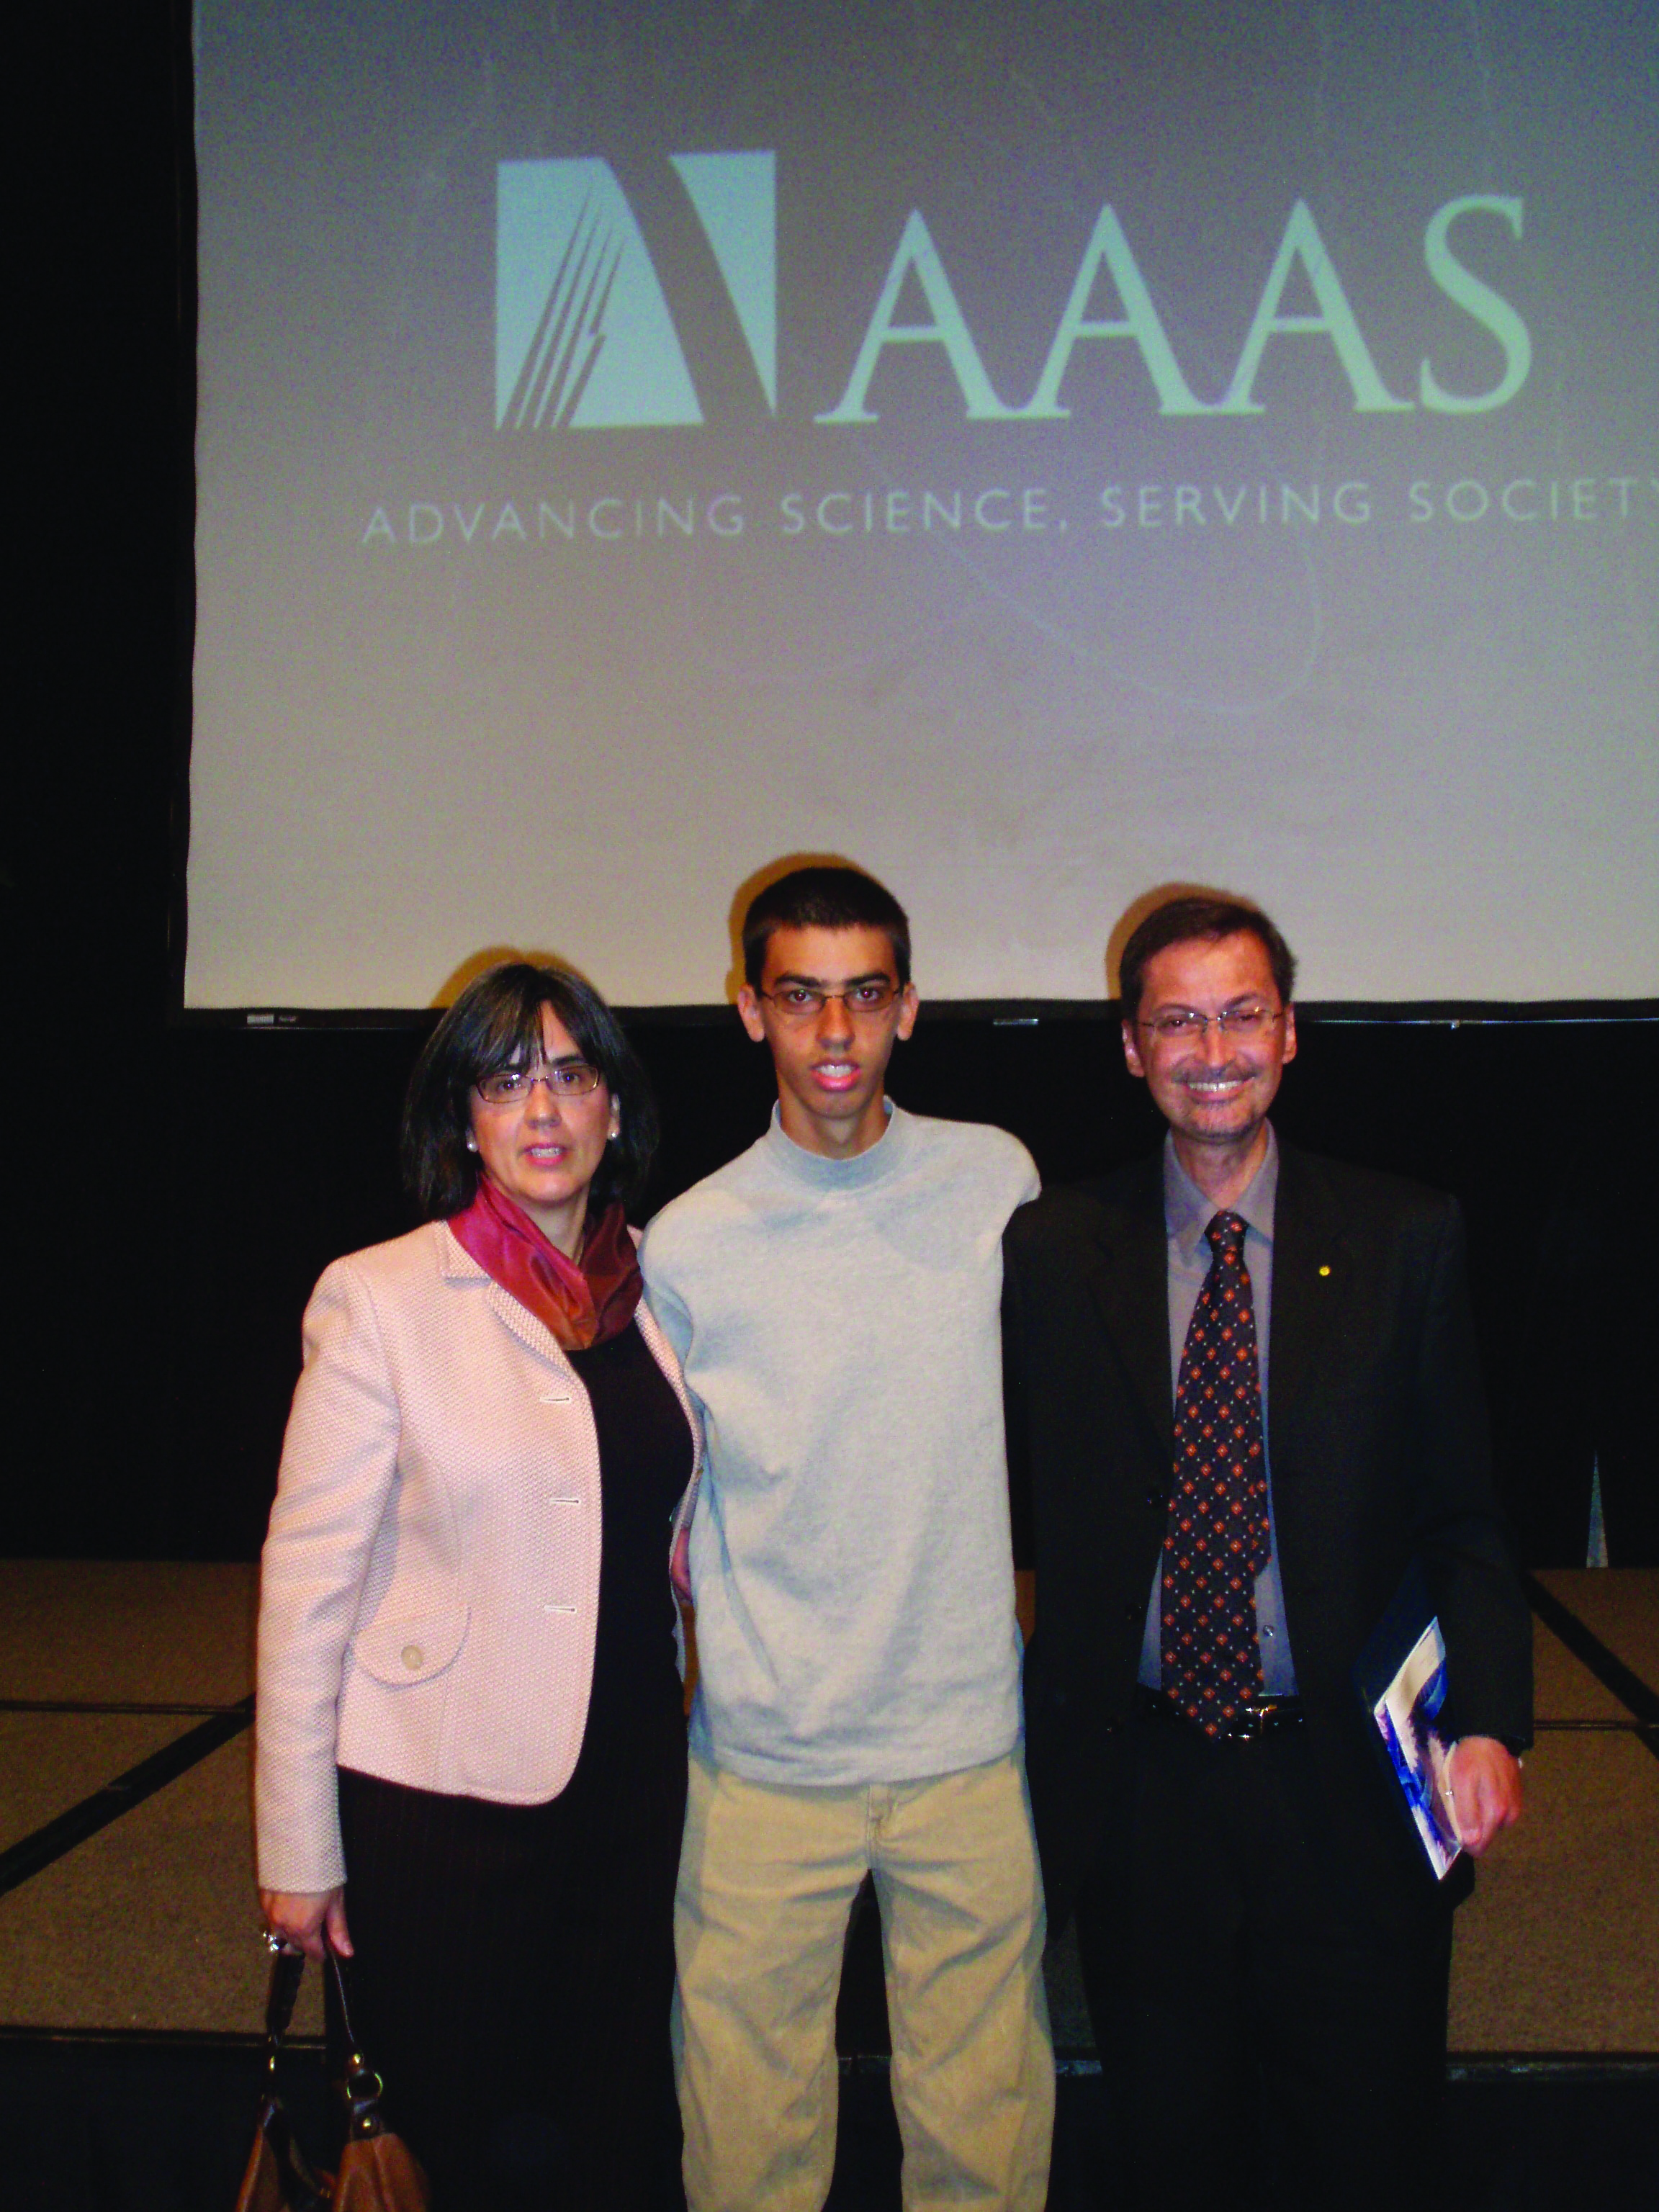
x=511, y=1086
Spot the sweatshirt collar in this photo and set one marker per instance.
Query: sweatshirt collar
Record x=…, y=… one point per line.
x=819, y=1172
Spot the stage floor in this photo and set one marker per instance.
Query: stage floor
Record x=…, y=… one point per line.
x=148, y=1923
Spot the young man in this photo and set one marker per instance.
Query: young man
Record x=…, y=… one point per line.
x=1244, y=1381
x=833, y=1295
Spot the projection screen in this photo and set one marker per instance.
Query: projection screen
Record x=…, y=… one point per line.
x=1038, y=452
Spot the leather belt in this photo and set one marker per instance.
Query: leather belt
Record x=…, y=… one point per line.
x=1255, y=1719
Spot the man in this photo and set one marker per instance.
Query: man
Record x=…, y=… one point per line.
x=1242, y=1384
x=833, y=1295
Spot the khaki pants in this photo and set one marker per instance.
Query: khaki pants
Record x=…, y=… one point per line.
x=766, y=1883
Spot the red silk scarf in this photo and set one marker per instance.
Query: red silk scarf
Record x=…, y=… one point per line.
x=581, y=1304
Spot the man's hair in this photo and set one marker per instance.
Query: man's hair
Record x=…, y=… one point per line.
x=1178, y=921
x=494, y=1024
x=823, y=898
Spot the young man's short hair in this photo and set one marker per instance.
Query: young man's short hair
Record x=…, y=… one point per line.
x=823, y=899
x=1178, y=921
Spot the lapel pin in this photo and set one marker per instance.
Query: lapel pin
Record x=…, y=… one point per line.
x=1324, y=1271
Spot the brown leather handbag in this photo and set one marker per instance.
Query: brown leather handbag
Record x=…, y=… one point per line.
x=377, y=2172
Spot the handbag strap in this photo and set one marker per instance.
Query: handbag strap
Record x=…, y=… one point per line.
x=287, y=1963
x=276, y=2152
x=362, y=2088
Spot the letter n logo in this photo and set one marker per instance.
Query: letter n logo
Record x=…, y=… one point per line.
x=584, y=338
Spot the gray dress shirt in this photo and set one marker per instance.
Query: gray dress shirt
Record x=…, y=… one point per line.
x=1186, y=1214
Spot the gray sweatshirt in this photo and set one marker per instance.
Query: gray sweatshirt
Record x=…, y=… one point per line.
x=837, y=1322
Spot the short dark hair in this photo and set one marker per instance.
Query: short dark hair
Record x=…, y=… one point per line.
x=1178, y=921
x=823, y=899
x=496, y=1023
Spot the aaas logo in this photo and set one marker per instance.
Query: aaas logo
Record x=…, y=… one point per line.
x=584, y=338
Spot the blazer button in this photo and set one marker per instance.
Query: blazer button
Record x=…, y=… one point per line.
x=412, y=1655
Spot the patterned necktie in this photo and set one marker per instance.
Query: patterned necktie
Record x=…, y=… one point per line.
x=1218, y=1539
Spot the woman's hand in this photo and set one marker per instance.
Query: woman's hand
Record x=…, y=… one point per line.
x=302, y=1917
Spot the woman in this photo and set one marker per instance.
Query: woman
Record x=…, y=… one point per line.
x=470, y=1754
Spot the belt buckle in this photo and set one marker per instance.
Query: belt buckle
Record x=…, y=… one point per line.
x=1262, y=1716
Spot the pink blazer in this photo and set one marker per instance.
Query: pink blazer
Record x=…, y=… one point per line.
x=430, y=1587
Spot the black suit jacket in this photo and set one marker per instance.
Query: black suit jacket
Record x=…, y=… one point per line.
x=1378, y=1452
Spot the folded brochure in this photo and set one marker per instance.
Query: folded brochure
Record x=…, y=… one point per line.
x=1408, y=1714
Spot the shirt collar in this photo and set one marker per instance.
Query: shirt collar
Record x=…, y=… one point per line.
x=1188, y=1212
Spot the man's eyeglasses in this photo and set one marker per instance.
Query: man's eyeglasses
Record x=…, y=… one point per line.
x=799, y=1002
x=511, y=1086
x=1176, y=1023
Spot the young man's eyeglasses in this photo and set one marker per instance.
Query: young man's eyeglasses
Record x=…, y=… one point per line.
x=1176, y=1023
x=511, y=1086
x=799, y=1002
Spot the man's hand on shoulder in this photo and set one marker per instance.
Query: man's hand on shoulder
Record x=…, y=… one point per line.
x=1486, y=1787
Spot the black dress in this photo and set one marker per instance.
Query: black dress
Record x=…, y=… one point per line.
x=515, y=1964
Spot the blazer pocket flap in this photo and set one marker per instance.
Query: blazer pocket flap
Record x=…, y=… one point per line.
x=413, y=1650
